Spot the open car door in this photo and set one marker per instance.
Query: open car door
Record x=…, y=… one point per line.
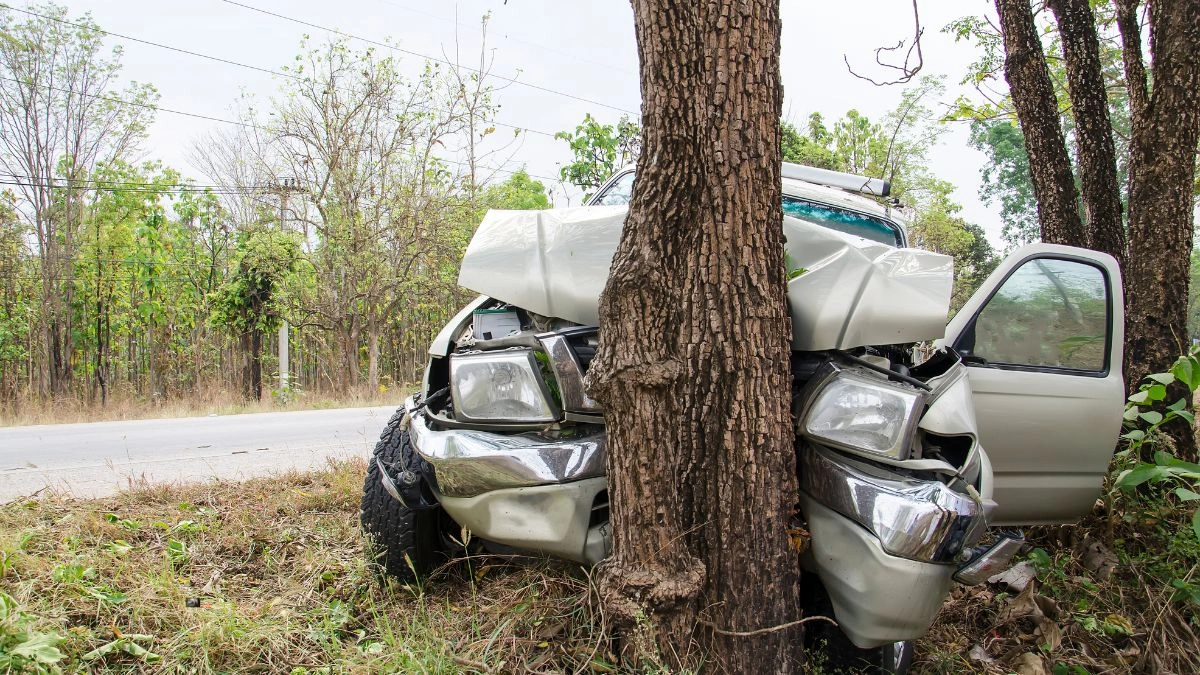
x=1043, y=339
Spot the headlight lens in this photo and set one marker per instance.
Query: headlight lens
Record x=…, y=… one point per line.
x=499, y=387
x=865, y=414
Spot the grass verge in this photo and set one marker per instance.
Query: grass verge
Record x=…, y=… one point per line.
x=270, y=575
x=70, y=410
x=267, y=575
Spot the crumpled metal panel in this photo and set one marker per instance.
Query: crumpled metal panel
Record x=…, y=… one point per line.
x=854, y=291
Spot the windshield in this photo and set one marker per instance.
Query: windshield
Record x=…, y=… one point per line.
x=857, y=224
x=849, y=222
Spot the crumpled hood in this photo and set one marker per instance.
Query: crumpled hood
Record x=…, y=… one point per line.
x=855, y=291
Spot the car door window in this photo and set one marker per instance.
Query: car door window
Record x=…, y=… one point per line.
x=617, y=194
x=1048, y=314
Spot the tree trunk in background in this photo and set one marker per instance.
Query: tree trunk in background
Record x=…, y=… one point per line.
x=1162, y=168
x=1131, y=56
x=1037, y=111
x=373, y=360
x=693, y=365
x=1093, y=129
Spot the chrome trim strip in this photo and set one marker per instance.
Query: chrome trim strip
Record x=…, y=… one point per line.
x=467, y=462
x=915, y=519
x=569, y=374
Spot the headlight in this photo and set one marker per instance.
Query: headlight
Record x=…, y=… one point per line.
x=863, y=413
x=502, y=386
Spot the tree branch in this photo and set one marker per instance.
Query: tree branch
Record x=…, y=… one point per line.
x=907, y=72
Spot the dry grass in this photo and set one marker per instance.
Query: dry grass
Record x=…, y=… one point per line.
x=191, y=404
x=1135, y=614
x=278, y=570
x=279, y=575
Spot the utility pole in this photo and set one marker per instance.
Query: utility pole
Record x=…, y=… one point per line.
x=284, y=186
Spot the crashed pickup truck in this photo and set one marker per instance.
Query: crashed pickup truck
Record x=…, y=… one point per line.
x=905, y=462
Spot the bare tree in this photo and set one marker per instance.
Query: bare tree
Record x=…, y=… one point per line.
x=364, y=142
x=693, y=366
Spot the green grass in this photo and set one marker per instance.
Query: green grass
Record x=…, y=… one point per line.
x=277, y=569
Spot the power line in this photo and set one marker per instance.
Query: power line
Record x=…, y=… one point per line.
x=116, y=183
x=135, y=104
x=506, y=36
x=133, y=190
x=248, y=125
x=219, y=59
x=394, y=48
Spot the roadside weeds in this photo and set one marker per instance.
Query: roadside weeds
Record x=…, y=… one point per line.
x=270, y=575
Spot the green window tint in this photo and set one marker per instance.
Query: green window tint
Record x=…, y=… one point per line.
x=857, y=224
x=1049, y=313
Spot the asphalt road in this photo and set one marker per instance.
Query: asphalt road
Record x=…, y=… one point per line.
x=97, y=459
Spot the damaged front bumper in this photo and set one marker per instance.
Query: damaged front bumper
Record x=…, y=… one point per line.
x=469, y=462
x=886, y=545
x=520, y=490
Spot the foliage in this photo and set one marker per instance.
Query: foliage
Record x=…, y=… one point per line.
x=1146, y=413
x=937, y=226
x=248, y=300
x=598, y=151
x=519, y=191
x=1005, y=179
x=812, y=148
x=145, y=286
x=22, y=647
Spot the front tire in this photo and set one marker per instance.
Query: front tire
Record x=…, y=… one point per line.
x=406, y=543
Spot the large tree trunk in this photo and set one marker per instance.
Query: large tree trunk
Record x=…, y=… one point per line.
x=1093, y=129
x=1037, y=111
x=693, y=366
x=1162, y=168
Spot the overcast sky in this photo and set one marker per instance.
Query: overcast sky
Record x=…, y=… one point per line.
x=582, y=49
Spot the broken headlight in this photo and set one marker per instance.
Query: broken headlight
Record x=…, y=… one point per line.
x=862, y=413
x=504, y=386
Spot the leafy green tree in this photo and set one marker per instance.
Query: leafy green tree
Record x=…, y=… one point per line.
x=937, y=226
x=126, y=279
x=598, y=151
x=519, y=191
x=1005, y=178
x=248, y=303
x=58, y=122
x=812, y=148
x=18, y=290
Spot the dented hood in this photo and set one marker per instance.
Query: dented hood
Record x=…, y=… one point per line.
x=853, y=291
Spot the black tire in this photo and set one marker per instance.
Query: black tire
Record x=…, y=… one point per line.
x=405, y=543
x=827, y=645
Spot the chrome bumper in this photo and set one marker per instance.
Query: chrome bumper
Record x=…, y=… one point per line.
x=469, y=463
x=920, y=520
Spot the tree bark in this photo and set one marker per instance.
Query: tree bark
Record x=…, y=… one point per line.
x=1131, y=56
x=1037, y=112
x=1162, y=168
x=1093, y=128
x=693, y=366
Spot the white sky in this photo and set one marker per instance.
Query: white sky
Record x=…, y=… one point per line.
x=585, y=49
